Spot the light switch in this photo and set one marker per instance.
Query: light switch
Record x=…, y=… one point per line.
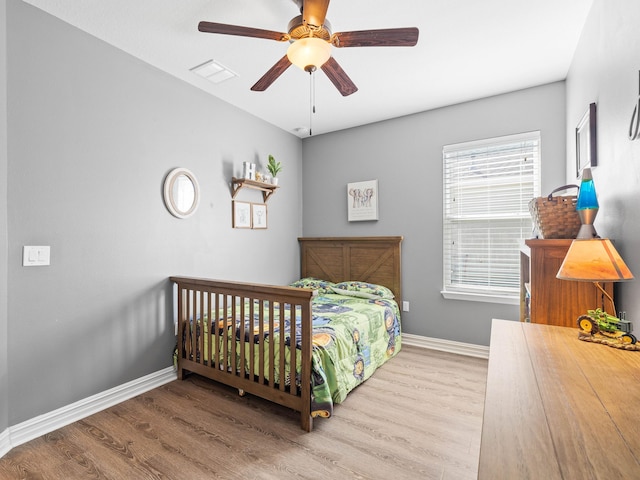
x=36, y=256
x=405, y=306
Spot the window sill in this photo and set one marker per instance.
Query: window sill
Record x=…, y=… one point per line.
x=476, y=297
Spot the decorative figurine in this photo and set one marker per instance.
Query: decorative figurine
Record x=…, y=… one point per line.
x=600, y=327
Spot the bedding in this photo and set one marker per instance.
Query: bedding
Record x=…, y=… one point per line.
x=362, y=289
x=320, y=286
x=352, y=336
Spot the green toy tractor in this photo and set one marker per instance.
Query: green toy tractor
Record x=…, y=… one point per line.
x=598, y=321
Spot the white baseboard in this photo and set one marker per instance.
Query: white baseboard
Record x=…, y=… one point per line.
x=5, y=444
x=468, y=349
x=48, y=422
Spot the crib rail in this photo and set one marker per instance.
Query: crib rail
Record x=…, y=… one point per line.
x=216, y=317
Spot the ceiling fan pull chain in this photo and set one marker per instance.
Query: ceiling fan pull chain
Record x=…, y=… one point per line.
x=313, y=91
x=312, y=98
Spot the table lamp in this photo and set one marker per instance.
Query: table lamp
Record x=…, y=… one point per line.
x=595, y=260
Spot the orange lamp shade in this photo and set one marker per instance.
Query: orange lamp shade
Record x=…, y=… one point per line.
x=594, y=260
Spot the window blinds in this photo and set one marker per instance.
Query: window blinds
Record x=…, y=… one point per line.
x=487, y=188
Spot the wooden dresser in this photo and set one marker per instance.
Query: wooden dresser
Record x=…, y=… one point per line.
x=557, y=407
x=546, y=299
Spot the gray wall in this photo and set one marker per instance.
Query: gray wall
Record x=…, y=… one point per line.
x=92, y=132
x=4, y=382
x=405, y=155
x=605, y=71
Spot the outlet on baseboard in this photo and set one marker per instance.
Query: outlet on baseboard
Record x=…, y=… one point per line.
x=405, y=306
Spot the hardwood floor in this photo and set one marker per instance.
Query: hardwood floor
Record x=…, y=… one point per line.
x=419, y=416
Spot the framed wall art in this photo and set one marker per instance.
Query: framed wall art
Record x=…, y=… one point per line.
x=634, y=126
x=241, y=214
x=258, y=215
x=586, y=146
x=362, y=201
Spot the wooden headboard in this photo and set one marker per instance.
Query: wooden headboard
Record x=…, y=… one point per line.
x=367, y=259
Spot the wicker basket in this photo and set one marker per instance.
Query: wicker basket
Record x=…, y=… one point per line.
x=555, y=217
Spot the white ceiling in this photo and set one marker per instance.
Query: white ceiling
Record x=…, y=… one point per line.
x=467, y=49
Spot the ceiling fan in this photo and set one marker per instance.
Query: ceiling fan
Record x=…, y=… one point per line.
x=311, y=40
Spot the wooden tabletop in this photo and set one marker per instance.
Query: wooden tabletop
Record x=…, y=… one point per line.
x=559, y=408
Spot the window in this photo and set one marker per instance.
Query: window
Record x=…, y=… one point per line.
x=487, y=187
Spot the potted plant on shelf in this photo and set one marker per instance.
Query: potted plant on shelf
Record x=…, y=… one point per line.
x=274, y=167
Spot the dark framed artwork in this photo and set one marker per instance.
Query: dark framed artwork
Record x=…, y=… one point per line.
x=586, y=141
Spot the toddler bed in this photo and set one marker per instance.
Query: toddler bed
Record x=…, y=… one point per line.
x=306, y=345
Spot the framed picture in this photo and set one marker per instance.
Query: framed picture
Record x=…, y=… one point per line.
x=258, y=215
x=241, y=214
x=362, y=201
x=586, y=146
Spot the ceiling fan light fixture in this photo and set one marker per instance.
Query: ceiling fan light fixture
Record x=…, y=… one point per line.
x=309, y=51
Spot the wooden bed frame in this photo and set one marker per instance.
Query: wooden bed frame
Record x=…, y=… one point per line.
x=368, y=259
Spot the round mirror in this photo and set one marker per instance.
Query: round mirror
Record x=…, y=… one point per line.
x=181, y=192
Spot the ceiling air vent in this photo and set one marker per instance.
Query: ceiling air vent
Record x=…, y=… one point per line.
x=213, y=71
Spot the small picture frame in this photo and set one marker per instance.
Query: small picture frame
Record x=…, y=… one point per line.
x=241, y=214
x=259, y=215
x=362, y=201
x=586, y=145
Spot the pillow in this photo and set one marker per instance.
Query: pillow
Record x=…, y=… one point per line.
x=349, y=293
x=363, y=289
x=322, y=286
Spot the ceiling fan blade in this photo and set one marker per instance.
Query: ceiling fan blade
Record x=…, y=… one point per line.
x=314, y=12
x=339, y=77
x=211, y=27
x=387, y=37
x=272, y=74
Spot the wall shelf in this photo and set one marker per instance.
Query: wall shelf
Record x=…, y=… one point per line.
x=267, y=189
